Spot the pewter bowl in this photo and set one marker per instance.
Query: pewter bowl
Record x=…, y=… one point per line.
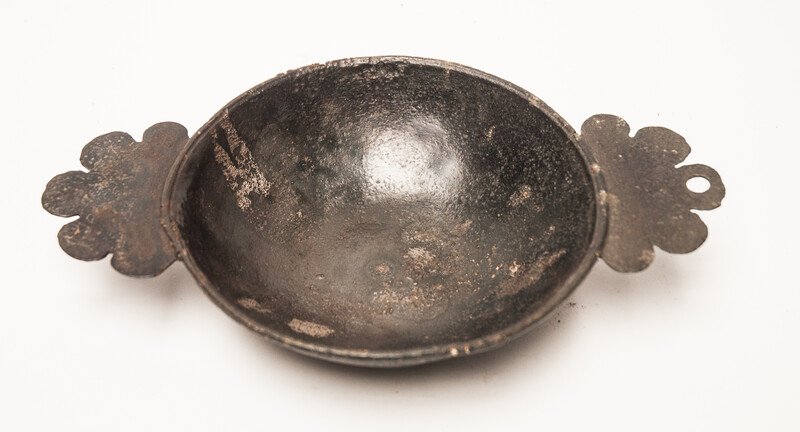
x=384, y=211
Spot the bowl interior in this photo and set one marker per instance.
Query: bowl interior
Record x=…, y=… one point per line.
x=386, y=206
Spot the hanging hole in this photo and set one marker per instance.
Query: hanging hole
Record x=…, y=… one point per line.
x=698, y=184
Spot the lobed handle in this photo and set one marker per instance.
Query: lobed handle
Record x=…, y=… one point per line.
x=119, y=200
x=647, y=197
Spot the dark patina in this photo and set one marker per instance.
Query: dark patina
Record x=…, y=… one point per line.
x=384, y=211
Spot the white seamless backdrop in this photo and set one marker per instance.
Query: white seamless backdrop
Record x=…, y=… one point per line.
x=705, y=341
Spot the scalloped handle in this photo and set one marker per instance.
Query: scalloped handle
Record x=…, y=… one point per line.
x=648, y=200
x=119, y=200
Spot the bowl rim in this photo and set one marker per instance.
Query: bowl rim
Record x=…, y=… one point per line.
x=171, y=214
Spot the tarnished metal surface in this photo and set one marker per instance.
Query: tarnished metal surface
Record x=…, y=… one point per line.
x=384, y=211
x=386, y=207
x=648, y=200
x=118, y=200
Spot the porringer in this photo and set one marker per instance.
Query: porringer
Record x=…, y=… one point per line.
x=384, y=211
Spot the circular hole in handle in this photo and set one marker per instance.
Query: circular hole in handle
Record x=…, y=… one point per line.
x=704, y=188
x=698, y=184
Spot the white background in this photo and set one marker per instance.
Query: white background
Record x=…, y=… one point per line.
x=706, y=341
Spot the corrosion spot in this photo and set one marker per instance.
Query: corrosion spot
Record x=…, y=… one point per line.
x=240, y=169
x=418, y=257
x=529, y=274
x=490, y=132
x=462, y=228
x=310, y=328
x=519, y=196
x=647, y=256
x=253, y=304
x=382, y=269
